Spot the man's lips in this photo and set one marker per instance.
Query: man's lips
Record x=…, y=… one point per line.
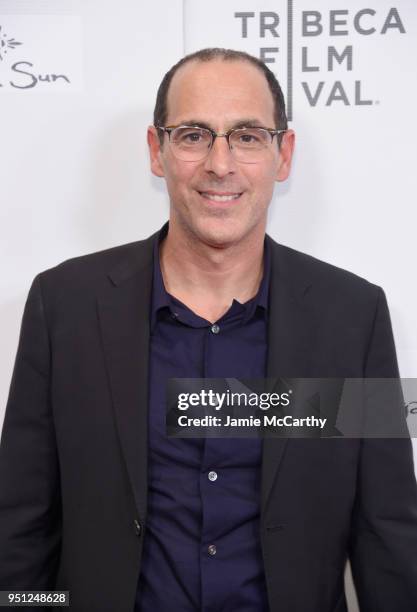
x=220, y=196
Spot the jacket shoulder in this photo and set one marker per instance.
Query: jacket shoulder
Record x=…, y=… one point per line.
x=77, y=280
x=302, y=269
x=100, y=263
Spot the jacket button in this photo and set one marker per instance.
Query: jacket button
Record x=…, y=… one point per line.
x=137, y=527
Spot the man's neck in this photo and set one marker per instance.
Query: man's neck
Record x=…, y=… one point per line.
x=206, y=278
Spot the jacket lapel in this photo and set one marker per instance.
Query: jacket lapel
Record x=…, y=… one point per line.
x=124, y=310
x=291, y=332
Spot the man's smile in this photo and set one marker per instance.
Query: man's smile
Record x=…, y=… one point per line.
x=220, y=196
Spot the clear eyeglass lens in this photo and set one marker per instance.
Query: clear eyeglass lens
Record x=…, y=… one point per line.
x=186, y=138
x=250, y=139
x=194, y=143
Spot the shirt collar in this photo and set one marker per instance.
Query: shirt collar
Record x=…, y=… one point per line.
x=263, y=292
x=162, y=300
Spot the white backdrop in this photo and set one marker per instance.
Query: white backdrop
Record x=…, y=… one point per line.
x=77, y=95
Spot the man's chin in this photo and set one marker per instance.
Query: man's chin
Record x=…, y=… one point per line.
x=219, y=233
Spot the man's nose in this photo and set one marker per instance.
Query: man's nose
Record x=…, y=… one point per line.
x=220, y=160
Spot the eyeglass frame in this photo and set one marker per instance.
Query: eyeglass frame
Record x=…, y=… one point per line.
x=170, y=128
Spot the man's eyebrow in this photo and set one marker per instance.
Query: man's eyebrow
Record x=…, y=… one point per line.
x=248, y=122
x=194, y=123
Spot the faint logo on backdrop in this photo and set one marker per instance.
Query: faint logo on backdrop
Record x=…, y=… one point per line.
x=411, y=408
x=305, y=48
x=6, y=43
x=48, y=43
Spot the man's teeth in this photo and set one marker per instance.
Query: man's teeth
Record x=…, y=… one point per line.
x=220, y=198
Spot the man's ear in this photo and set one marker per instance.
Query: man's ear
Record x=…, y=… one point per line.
x=155, y=151
x=286, y=151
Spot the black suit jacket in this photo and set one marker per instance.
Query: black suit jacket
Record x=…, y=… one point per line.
x=73, y=458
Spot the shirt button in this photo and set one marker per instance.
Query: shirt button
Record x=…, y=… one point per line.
x=215, y=328
x=137, y=527
x=212, y=550
x=212, y=476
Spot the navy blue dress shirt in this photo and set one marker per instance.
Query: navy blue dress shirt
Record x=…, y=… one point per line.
x=202, y=548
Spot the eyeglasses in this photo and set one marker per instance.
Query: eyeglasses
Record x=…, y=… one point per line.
x=192, y=143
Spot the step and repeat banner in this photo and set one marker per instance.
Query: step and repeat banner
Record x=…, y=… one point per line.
x=77, y=89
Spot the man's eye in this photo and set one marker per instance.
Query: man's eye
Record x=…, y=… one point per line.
x=190, y=138
x=193, y=137
x=248, y=138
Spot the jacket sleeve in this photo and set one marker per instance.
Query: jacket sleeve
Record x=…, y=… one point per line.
x=30, y=508
x=383, y=543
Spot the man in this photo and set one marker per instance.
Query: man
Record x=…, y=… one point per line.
x=96, y=499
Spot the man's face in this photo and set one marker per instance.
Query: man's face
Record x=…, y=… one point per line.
x=220, y=94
